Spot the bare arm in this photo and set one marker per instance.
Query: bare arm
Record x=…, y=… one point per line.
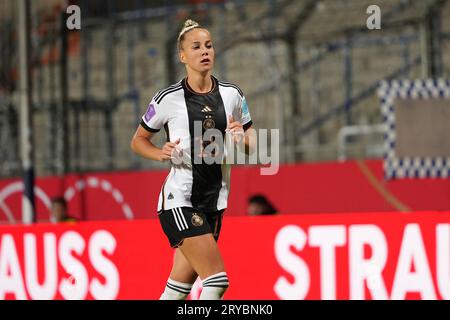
x=249, y=135
x=141, y=144
x=250, y=140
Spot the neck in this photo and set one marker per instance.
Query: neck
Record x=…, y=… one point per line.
x=201, y=83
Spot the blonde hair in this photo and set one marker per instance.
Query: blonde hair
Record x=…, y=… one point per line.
x=187, y=26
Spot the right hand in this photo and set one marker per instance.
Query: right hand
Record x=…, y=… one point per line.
x=168, y=149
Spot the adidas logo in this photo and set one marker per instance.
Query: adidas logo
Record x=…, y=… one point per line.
x=170, y=197
x=206, y=109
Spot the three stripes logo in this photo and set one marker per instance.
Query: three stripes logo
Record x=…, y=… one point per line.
x=206, y=109
x=170, y=196
x=180, y=220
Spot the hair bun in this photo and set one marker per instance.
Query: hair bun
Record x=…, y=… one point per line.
x=190, y=23
x=188, y=26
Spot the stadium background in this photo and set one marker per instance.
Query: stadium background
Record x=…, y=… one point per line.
x=308, y=68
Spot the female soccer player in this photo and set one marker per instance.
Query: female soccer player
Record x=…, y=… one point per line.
x=194, y=195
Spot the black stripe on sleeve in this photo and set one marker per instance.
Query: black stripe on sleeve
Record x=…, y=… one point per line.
x=146, y=127
x=160, y=92
x=159, y=99
x=247, y=125
x=231, y=85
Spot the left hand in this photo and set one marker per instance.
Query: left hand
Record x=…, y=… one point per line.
x=235, y=128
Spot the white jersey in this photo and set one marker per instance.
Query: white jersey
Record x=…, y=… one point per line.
x=202, y=186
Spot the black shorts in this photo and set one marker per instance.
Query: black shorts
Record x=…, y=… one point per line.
x=185, y=222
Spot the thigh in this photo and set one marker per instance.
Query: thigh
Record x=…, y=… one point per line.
x=203, y=255
x=181, y=223
x=182, y=270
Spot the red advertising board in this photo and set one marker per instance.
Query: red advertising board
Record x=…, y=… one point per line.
x=320, y=256
x=298, y=188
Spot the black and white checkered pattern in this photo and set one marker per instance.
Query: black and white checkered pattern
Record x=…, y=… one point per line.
x=410, y=167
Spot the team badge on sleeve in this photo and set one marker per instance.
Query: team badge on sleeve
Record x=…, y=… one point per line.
x=150, y=112
x=245, y=112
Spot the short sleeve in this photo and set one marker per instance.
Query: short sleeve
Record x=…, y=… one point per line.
x=243, y=113
x=154, y=118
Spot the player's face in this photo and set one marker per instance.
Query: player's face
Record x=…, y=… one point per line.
x=197, y=50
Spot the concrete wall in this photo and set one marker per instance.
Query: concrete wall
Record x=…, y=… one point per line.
x=253, y=66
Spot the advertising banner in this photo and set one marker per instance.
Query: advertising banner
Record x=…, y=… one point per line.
x=320, y=256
